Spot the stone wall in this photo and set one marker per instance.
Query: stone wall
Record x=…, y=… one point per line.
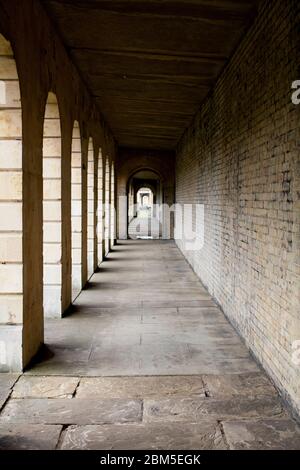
x=240, y=159
x=42, y=65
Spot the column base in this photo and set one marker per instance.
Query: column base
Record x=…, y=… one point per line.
x=11, y=351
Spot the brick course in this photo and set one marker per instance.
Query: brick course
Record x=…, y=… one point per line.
x=240, y=158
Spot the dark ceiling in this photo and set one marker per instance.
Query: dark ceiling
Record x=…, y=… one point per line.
x=149, y=64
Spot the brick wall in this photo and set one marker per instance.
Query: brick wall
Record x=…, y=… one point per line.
x=240, y=158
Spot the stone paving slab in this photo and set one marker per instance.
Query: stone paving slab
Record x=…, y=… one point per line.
x=268, y=434
x=122, y=328
x=178, y=303
x=140, y=387
x=251, y=384
x=71, y=411
x=159, y=322
x=6, y=383
x=29, y=437
x=170, y=436
x=45, y=387
x=195, y=409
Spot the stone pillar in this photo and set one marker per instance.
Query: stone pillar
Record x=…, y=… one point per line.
x=122, y=211
x=95, y=212
x=66, y=260
x=11, y=220
x=76, y=211
x=52, y=210
x=107, y=206
x=100, y=211
x=112, y=206
x=91, y=209
x=84, y=239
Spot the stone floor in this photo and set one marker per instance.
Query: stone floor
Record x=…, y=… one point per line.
x=145, y=360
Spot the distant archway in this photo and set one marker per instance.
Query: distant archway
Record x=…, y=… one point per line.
x=144, y=223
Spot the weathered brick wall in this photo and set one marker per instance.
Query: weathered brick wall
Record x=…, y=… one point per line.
x=240, y=158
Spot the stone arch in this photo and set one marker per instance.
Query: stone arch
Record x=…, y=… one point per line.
x=129, y=162
x=152, y=225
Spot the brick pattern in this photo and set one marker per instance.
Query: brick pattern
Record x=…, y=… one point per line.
x=240, y=158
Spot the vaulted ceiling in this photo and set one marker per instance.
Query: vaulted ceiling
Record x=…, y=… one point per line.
x=150, y=63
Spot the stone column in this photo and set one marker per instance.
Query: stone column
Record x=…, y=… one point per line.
x=100, y=211
x=107, y=205
x=91, y=209
x=84, y=253
x=76, y=211
x=112, y=206
x=52, y=210
x=11, y=209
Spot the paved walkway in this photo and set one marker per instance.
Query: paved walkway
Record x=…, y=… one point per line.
x=145, y=360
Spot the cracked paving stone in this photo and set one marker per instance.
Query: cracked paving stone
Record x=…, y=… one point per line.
x=45, y=387
x=193, y=410
x=29, y=437
x=71, y=411
x=6, y=383
x=140, y=387
x=269, y=434
x=204, y=435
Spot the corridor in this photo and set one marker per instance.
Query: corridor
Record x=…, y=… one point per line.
x=145, y=360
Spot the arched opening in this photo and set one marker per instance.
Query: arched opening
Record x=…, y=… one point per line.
x=76, y=211
x=91, y=210
x=11, y=206
x=144, y=202
x=145, y=197
x=52, y=209
x=100, y=212
x=107, y=206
